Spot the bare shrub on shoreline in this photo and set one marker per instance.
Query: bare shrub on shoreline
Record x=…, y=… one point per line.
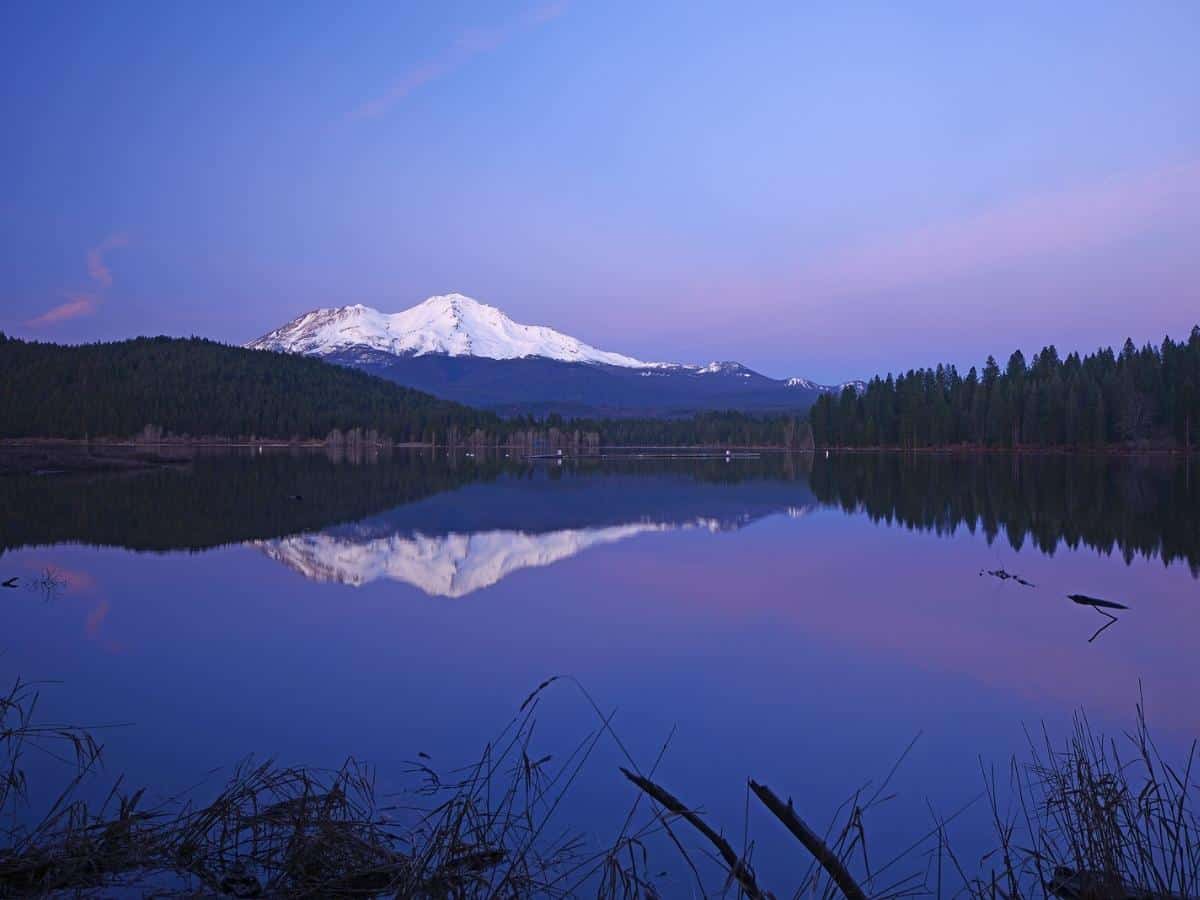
x=1099, y=817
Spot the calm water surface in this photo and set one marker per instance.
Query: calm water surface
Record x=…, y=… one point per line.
x=793, y=619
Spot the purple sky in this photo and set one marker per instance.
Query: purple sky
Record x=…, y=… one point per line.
x=827, y=193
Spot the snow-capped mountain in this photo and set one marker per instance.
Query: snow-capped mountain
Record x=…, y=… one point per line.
x=449, y=565
x=455, y=542
x=449, y=324
x=459, y=563
x=460, y=349
x=806, y=384
x=722, y=368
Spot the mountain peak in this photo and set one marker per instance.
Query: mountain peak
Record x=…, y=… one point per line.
x=455, y=325
x=724, y=367
x=450, y=324
x=859, y=387
x=454, y=304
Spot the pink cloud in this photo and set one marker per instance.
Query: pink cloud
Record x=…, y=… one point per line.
x=546, y=12
x=98, y=270
x=75, y=579
x=95, y=618
x=469, y=44
x=83, y=303
x=1060, y=222
x=408, y=83
x=77, y=305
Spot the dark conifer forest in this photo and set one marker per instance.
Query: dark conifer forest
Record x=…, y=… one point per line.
x=199, y=387
x=171, y=387
x=1144, y=506
x=179, y=388
x=1147, y=397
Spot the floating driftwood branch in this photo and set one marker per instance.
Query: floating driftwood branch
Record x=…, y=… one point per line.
x=1005, y=576
x=1099, y=606
x=1085, y=600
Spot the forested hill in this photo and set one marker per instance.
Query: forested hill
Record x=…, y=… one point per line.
x=202, y=388
x=1137, y=397
x=199, y=388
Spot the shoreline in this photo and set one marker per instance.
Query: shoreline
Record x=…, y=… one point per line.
x=313, y=444
x=62, y=456
x=275, y=443
x=974, y=449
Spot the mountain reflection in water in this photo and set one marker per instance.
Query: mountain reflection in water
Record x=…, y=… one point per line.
x=451, y=565
x=451, y=526
x=217, y=612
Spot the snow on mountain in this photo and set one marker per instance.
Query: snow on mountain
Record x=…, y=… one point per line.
x=459, y=563
x=451, y=565
x=403, y=347
x=450, y=324
x=806, y=384
x=721, y=368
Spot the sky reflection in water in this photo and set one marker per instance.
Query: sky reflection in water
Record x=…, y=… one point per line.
x=768, y=609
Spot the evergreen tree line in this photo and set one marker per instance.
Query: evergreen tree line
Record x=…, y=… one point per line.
x=163, y=388
x=722, y=428
x=1147, y=396
x=226, y=498
x=1139, y=506
x=1135, y=506
x=222, y=498
x=195, y=387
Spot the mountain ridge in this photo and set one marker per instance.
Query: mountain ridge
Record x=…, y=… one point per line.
x=450, y=324
x=458, y=348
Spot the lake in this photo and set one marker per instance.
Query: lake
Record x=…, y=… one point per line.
x=793, y=619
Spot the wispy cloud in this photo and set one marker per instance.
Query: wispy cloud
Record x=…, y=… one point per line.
x=77, y=305
x=98, y=270
x=1081, y=219
x=95, y=618
x=469, y=44
x=77, y=580
x=83, y=303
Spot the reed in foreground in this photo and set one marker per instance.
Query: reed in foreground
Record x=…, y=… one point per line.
x=1093, y=818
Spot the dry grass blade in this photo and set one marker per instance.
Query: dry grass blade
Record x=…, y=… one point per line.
x=810, y=840
x=738, y=868
x=1094, y=822
x=289, y=832
x=1093, y=818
